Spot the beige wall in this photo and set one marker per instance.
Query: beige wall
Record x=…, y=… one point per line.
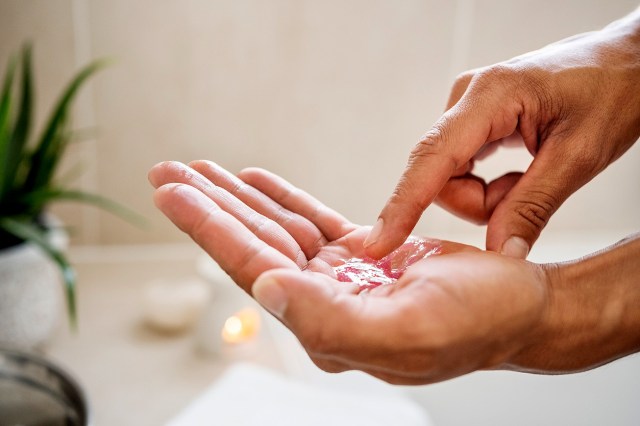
x=332, y=95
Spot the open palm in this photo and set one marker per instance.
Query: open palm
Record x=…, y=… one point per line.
x=257, y=221
x=447, y=315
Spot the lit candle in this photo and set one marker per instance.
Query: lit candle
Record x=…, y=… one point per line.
x=231, y=325
x=242, y=326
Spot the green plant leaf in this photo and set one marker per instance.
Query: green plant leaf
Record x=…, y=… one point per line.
x=6, y=92
x=5, y=125
x=70, y=175
x=84, y=134
x=20, y=135
x=54, y=138
x=44, y=162
x=45, y=196
x=30, y=231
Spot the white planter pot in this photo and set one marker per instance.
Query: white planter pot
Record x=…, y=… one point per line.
x=30, y=297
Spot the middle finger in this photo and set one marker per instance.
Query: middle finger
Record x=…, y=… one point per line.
x=265, y=229
x=308, y=236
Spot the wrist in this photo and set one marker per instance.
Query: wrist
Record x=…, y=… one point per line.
x=592, y=312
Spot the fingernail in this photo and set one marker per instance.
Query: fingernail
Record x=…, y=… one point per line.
x=374, y=234
x=515, y=247
x=270, y=294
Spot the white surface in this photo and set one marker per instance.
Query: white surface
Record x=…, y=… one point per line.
x=604, y=396
x=249, y=396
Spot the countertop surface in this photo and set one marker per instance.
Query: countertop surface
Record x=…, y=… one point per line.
x=133, y=374
x=136, y=376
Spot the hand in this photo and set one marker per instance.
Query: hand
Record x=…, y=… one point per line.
x=257, y=221
x=448, y=315
x=573, y=104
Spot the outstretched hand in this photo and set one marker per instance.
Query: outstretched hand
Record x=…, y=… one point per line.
x=449, y=314
x=257, y=221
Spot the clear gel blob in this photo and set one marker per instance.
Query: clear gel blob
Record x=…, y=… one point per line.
x=370, y=273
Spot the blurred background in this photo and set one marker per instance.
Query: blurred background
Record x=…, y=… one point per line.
x=332, y=95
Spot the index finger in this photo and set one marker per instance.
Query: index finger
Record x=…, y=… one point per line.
x=480, y=116
x=447, y=147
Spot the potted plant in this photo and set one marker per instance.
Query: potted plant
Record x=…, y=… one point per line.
x=29, y=256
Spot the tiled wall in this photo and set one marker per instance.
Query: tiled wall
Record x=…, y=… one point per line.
x=332, y=95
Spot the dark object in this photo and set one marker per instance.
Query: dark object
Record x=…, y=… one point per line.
x=35, y=392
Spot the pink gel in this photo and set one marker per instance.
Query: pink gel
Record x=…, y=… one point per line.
x=369, y=273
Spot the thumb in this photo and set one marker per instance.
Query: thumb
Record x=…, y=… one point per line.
x=520, y=217
x=325, y=315
x=276, y=289
x=306, y=303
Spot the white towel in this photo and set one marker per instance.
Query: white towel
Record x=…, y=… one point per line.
x=248, y=395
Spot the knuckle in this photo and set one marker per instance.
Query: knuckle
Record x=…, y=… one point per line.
x=282, y=216
x=460, y=85
x=403, y=195
x=524, y=81
x=430, y=143
x=260, y=225
x=589, y=162
x=534, y=216
x=238, y=188
x=532, y=86
x=288, y=193
x=464, y=78
x=536, y=208
x=433, y=144
x=199, y=229
x=498, y=73
x=513, y=78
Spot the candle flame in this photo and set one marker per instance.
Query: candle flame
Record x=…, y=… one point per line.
x=242, y=326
